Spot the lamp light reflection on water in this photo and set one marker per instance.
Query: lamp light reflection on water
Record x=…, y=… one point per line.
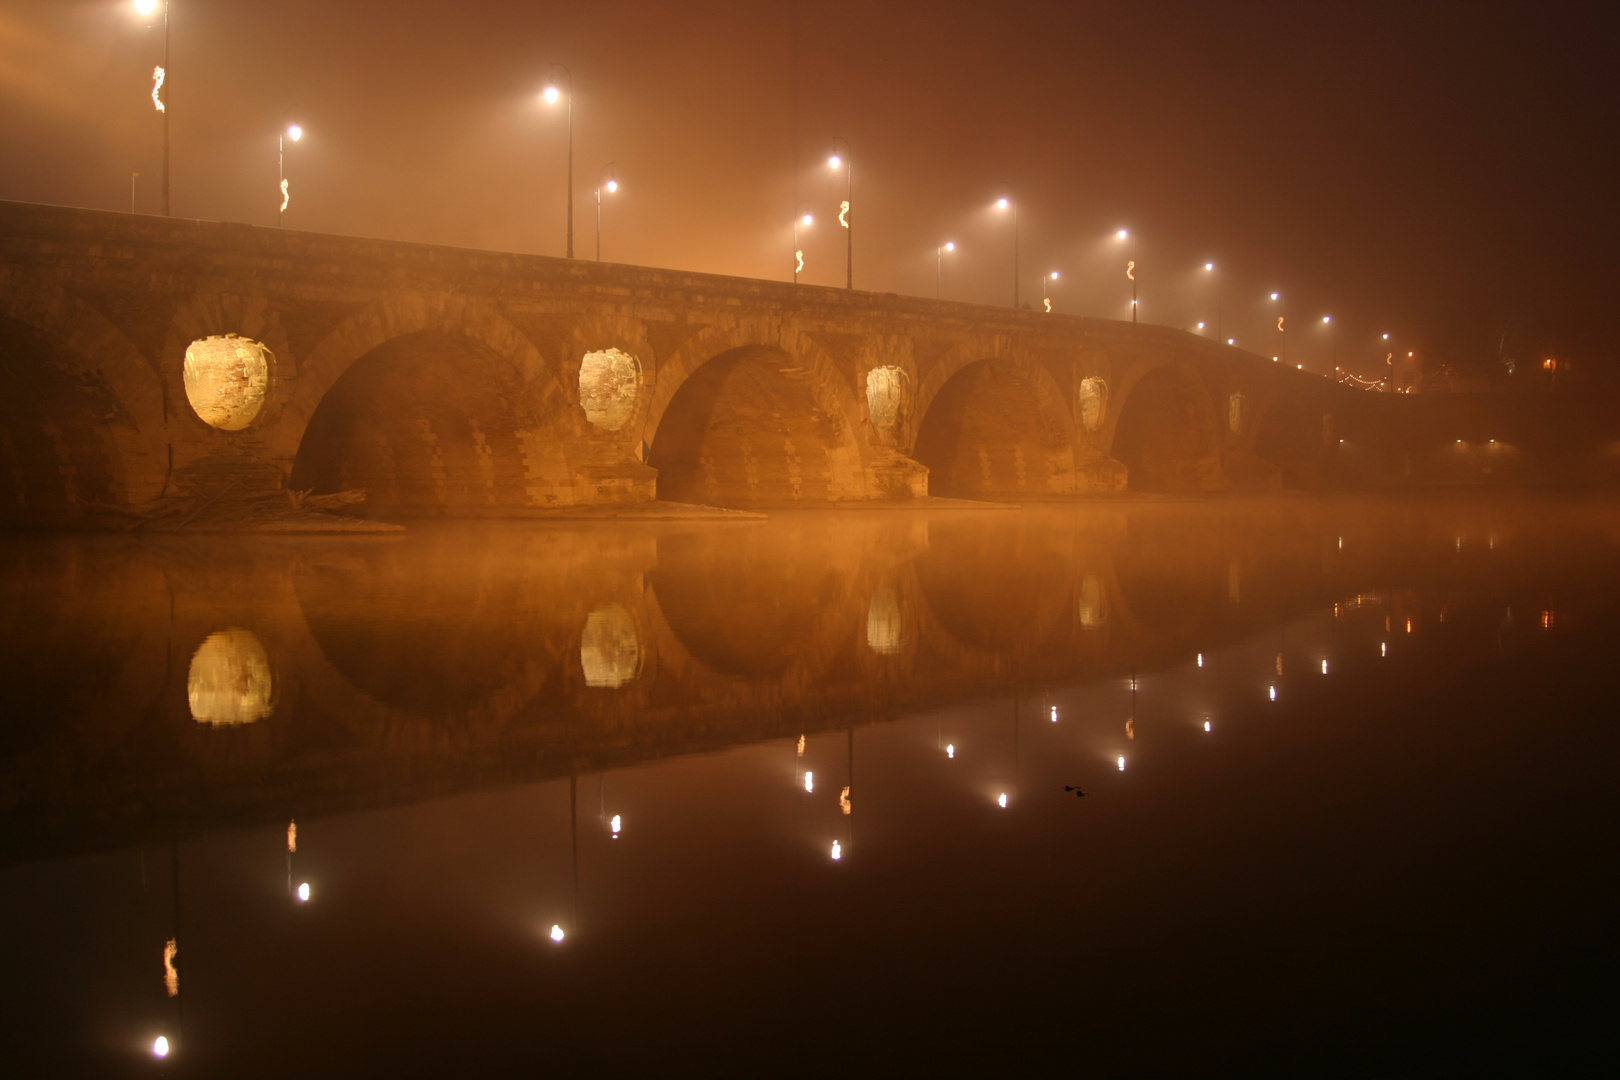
x=1206, y=726
x=1383, y=648
x=1273, y=693
x=950, y=750
x=1001, y=800
x=1054, y=714
x=160, y=1046
x=556, y=932
x=809, y=781
x=1324, y=667
x=1122, y=763
x=837, y=851
x=303, y=892
x=1200, y=659
x=614, y=826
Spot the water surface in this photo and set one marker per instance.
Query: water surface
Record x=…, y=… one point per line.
x=793, y=793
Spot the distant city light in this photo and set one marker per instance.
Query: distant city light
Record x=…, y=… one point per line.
x=837, y=851
x=303, y=892
x=160, y=1046
x=556, y=932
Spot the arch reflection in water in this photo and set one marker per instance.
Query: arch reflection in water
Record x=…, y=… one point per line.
x=885, y=632
x=230, y=682
x=609, y=652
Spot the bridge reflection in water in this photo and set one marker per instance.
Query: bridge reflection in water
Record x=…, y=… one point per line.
x=660, y=733
x=175, y=683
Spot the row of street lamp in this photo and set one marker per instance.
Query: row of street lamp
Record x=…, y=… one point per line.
x=560, y=88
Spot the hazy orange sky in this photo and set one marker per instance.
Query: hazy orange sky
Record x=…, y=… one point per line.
x=1434, y=173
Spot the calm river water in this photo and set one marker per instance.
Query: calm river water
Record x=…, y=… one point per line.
x=793, y=796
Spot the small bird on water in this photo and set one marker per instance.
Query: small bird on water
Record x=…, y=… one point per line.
x=1077, y=792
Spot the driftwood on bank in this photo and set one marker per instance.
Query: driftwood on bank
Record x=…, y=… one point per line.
x=229, y=509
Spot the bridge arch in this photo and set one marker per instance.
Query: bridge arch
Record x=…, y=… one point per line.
x=81, y=411
x=1167, y=433
x=753, y=423
x=995, y=427
x=432, y=409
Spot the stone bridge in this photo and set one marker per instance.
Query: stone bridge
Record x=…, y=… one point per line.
x=141, y=357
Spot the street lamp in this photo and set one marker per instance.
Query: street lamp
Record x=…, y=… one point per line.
x=798, y=253
x=1130, y=268
x=552, y=95
x=1005, y=204
x=612, y=185
x=160, y=77
x=1333, y=342
x=847, y=163
x=1276, y=298
x=1210, y=268
x=939, y=266
x=1046, y=299
x=294, y=132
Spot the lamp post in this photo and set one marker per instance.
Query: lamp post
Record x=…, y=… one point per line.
x=1276, y=298
x=552, y=95
x=1008, y=204
x=294, y=132
x=846, y=161
x=805, y=220
x=132, y=177
x=1211, y=268
x=160, y=78
x=612, y=185
x=1046, y=299
x=1130, y=268
x=939, y=267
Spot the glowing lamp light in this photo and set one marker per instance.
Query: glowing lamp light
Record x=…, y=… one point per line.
x=1231, y=341
x=556, y=933
x=1206, y=726
x=303, y=893
x=1327, y=318
x=1054, y=714
x=834, y=162
x=1383, y=648
x=1200, y=659
x=1275, y=295
x=843, y=211
x=1273, y=693
x=160, y=1046
x=950, y=245
x=809, y=781
x=1122, y=234
x=1324, y=667
x=1200, y=326
x=1386, y=337
x=1054, y=275
x=808, y=220
x=157, y=89
x=294, y=132
x=614, y=825
x=146, y=7
x=837, y=851
x=612, y=186
x=1121, y=762
x=1001, y=204
x=551, y=95
x=950, y=750
x=1001, y=800
x=1209, y=266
